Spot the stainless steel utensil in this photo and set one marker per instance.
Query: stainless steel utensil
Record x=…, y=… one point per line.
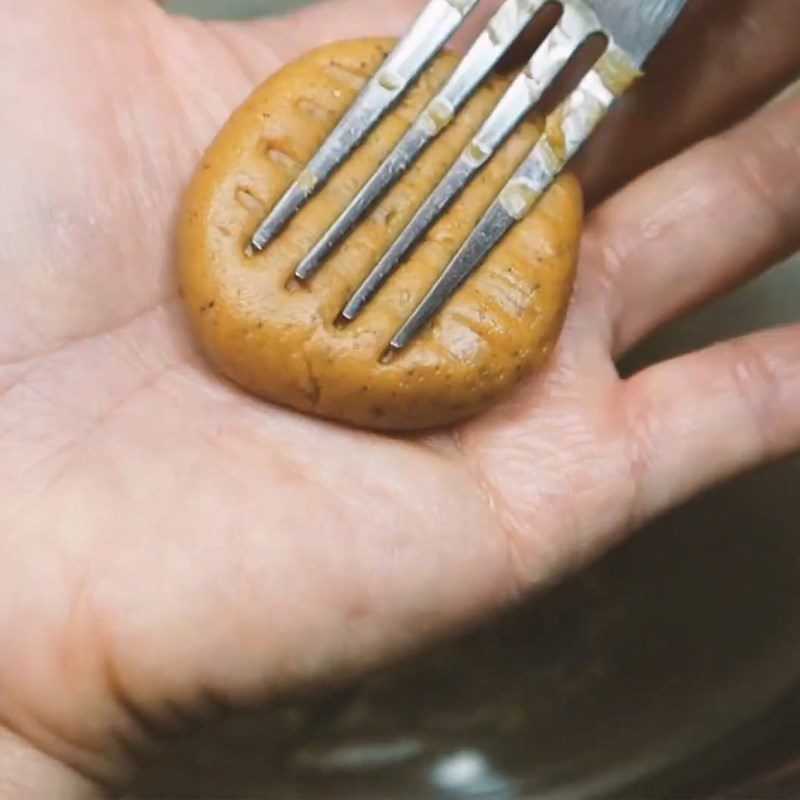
x=632, y=29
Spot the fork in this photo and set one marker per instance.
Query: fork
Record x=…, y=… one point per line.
x=631, y=29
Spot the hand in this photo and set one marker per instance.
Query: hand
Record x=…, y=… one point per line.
x=168, y=543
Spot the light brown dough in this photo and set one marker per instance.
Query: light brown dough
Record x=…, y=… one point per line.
x=279, y=339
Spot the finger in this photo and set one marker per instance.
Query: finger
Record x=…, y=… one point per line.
x=700, y=224
x=333, y=20
x=260, y=46
x=723, y=60
x=700, y=82
x=703, y=418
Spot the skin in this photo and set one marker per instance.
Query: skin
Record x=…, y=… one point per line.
x=279, y=339
x=168, y=543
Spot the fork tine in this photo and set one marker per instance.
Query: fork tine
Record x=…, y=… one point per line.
x=494, y=225
x=433, y=207
x=573, y=28
x=429, y=33
x=567, y=128
x=503, y=30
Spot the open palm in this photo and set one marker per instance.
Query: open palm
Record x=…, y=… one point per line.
x=168, y=543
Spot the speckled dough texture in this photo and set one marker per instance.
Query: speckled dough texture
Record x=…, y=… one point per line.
x=279, y=339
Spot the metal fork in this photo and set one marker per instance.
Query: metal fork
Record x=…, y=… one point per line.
x=632, y=29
